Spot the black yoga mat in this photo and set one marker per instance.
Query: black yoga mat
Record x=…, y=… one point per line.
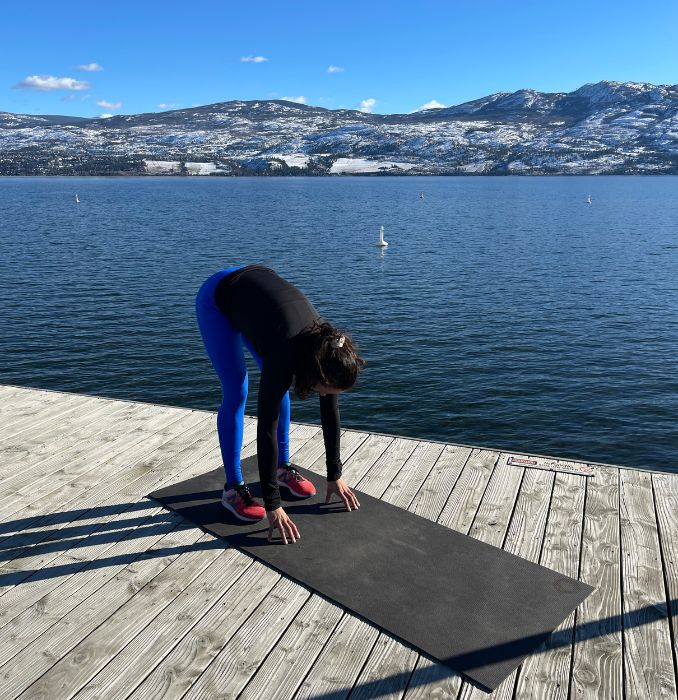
x=472, y=606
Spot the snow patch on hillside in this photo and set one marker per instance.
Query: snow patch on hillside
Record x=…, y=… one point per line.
x=201, y=168
x=160, y=167
x=363, y=165
x=292, y=160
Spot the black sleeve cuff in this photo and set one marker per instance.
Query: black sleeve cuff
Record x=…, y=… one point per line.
x=272, y=505
x=334, y=471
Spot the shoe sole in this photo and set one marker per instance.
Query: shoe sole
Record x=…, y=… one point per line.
x=230, y=508
x=294, y=493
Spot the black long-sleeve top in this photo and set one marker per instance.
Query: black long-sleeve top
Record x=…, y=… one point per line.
x=270, y=312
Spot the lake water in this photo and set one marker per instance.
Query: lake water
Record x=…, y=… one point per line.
x=506, y=312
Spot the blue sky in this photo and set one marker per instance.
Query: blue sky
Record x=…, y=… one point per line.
x=91, y=58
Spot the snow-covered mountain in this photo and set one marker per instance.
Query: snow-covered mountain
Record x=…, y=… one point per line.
x=605, y=127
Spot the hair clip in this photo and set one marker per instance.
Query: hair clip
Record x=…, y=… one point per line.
x=338, y=342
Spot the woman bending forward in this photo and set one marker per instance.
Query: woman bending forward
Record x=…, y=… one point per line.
x=254, y=306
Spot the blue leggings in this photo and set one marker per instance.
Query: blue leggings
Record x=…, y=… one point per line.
x=224, y=346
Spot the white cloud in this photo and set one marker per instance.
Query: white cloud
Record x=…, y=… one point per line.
x=301, y=99
x=253, y=59
x=165, y=105
x=105, y=116
x=367, y=105
x=49, y=82
x=433, y=104
x=109, y=105
x=91, y=67
x=335, y=69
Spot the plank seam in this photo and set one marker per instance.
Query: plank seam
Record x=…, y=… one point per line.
x=513, y=508
x=412, y=672
x=364, y=664
x=621, y=587
x=480, y=500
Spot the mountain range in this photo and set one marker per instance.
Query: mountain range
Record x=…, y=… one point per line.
x=600, y=128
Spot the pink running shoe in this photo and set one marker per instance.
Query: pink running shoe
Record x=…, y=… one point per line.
x=240, y=502
x=290, y=478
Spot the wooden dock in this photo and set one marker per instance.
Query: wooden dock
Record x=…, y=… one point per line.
x=105, y=595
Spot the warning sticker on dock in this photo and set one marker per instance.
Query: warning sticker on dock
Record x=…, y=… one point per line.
x=554, y=465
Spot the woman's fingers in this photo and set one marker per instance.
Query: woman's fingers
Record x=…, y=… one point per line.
x=287, y=530
x=350, y=499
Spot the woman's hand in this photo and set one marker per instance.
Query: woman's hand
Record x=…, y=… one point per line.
x=279, y=519
x=342, y=490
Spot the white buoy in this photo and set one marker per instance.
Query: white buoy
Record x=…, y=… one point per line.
x=588, y=201
x=382, y=243
x=77, y=200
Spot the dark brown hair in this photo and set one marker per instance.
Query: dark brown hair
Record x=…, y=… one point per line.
x=318, y=362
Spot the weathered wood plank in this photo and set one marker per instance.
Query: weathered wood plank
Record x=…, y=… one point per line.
x=364, y=458
x=597, y=659
x=386, y=466
x=666, y=499
x=648, y=658
x=72, y=556
x=546, y=672
x=28, y=525
x=462, y=505
x=159, y=467
x=8, y=391
x=350, y=442
x=31, y=454
x=434, y=492
x=387, y=670
x=409, y=480
x=72, y=481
